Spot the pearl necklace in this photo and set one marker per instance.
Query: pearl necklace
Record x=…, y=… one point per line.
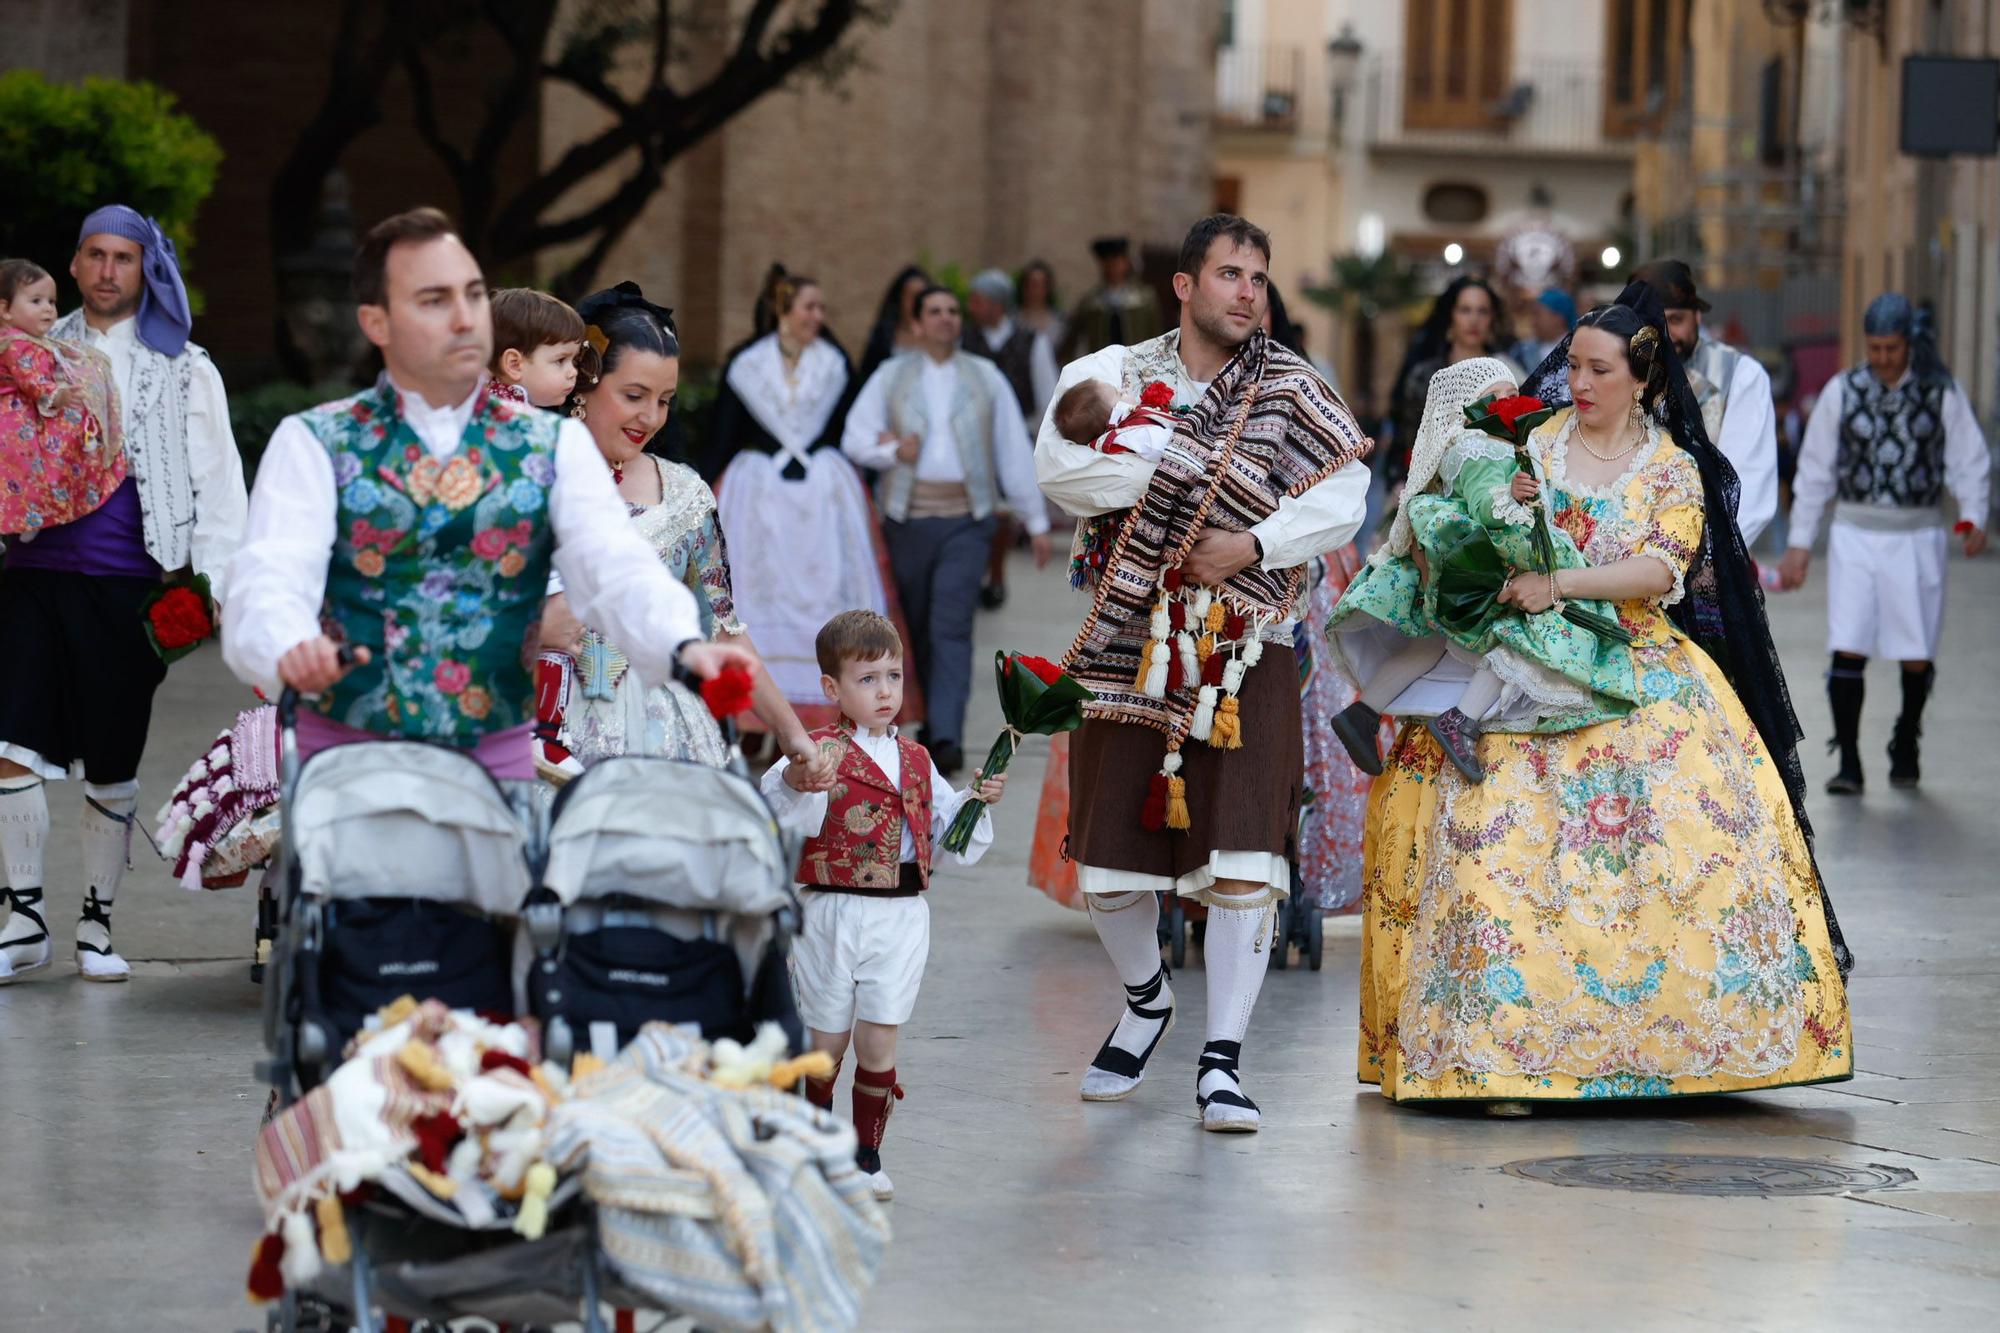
x=1584, y=440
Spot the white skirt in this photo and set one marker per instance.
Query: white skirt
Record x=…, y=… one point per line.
x=1885, y=591
x=799, y=552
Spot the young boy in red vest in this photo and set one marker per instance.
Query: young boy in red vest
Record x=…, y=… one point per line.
x=859, y=957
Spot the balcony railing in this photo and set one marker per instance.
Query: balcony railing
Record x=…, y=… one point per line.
x=1259, y=87
x=1547, y=107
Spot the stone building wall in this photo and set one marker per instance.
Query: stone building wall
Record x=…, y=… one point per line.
x=975, y=131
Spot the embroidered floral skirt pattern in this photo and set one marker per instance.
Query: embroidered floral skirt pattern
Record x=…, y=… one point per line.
x=1625, y=910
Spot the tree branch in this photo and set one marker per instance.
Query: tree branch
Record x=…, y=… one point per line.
x=664, y=124
x=662, y=41
x=423, y=101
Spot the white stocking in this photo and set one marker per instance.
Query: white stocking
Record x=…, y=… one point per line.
x=24, y=828
x=1233, y=950
x=1481, y=693
x=1400, y=672
x=1128, y=925
x=107, y=840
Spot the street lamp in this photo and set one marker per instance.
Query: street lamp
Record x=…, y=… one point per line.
x=1343, y=59
x=1454, y=254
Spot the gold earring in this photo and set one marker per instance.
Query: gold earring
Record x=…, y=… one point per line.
x=1639, y=407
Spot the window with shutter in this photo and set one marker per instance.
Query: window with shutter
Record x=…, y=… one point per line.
x=1459, y=59
x=1646, y=56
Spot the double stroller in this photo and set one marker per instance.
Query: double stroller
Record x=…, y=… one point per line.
x=650, y=890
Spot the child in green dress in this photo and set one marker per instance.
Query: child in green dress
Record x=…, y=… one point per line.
x=1511, y=670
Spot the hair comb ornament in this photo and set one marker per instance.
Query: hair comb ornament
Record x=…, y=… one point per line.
x=595, y=337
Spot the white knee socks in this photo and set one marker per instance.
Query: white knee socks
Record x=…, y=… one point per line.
x=1234, y=952
x=1481, y=693
x=107, y=841
x=1400, y=672
x=24, y=828
x=1128, y=925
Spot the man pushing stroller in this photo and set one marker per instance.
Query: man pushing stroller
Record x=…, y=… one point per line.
x=416, y=524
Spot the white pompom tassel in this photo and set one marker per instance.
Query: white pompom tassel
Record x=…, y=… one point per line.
x=300, y=1264
x=1156, y=674
x=1232, y=676
x=1204, y=713
x=1161, y=625
x=1253, y=652
x=1172, y=764
x=1190, y=664
x=1202, y=598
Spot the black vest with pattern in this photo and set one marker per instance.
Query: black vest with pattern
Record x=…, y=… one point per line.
x=1891, y=440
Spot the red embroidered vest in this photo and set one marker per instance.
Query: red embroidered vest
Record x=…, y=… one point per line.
x=859, y=848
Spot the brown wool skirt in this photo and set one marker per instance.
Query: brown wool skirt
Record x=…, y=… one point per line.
x=1239, y=801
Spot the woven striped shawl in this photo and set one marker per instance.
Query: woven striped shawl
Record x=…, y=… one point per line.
x=1269, y=428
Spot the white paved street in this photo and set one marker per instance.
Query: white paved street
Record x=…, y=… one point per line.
x=127, y=1113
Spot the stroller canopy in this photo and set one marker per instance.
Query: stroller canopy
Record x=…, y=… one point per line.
x=407, y=820
x=676, y=834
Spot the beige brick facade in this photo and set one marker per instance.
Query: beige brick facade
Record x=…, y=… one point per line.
x=974, y=131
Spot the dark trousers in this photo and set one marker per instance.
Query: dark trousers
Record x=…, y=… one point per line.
x=938, y=563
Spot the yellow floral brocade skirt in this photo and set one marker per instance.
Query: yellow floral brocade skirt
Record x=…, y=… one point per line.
x=1625, y=910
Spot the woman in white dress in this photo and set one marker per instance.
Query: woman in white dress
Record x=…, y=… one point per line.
x=804, y=537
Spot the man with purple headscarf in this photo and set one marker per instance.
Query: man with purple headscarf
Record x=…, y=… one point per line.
x=78, y=674
x=1886, y=440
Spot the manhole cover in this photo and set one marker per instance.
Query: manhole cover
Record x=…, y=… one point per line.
x=1680, y=1173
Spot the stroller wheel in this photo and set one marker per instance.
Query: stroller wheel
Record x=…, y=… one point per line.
x=1177, y=933
x=1281, y=948
x=1315, y=938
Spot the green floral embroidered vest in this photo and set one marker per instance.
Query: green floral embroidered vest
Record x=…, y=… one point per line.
x=439, y=568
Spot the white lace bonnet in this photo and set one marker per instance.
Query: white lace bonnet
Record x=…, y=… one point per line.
x=1453, y=389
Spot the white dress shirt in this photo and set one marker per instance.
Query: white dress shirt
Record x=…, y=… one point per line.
x=215, y=468
x=1967, y=463
x=1750, y=443
x=614, y=580
x=1087, y=483
x=1013, y=456
x=804, y=812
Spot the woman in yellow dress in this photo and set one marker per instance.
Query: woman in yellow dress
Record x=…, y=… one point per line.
x=1630, y=908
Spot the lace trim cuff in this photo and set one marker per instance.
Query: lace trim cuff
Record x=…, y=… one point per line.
x=1509, y=510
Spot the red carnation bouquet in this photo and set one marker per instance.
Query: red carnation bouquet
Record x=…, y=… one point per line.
x=1038, y=698
x=1513, y=418
x=179, y=618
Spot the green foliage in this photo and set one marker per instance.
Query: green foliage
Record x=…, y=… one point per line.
x=1367, y=287
x=255, y=414
x=66, y=149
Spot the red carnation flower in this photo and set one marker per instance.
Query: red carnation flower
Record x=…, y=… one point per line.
x=1157, y=394
x=727, y=692
x=179, y=619
x=1511, y=410
x=1045, y=671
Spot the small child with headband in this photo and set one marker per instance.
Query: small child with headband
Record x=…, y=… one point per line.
x=61, y=453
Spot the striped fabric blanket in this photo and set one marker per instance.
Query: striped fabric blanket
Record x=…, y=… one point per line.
x=1269, y=428
x=740, y=1208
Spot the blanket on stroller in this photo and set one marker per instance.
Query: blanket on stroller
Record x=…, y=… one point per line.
x=741, y=1207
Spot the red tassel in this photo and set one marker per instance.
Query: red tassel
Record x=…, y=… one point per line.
x=435, y=1135
x=1176, y=677
x=1154, y=816
x=1211, y=670
x=266, y=1281
x=1177, y=616
x=1173, y=579
x=1233, y=626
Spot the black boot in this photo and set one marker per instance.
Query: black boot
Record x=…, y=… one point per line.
x=1846, y=684
x=1360, y=730
x=1903, y=769
x=1459, y=735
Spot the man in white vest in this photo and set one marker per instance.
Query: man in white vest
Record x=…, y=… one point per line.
x=944, y=430
x=1734, y=392
x=78, y=673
